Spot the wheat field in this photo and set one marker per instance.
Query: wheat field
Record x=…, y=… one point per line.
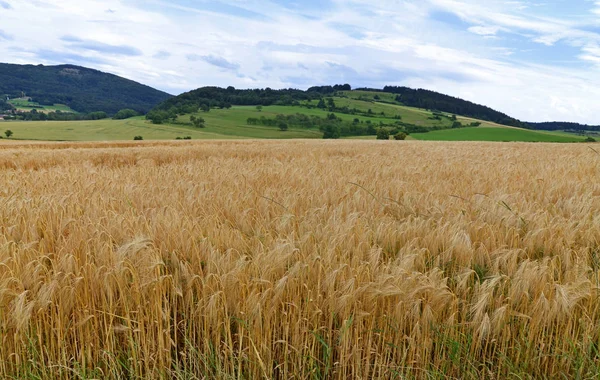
x=299, y=260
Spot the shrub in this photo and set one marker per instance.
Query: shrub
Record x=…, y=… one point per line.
x=383, y=134
x=125, y=114
x=331, y=131
x=137, y=138
x=400, y=136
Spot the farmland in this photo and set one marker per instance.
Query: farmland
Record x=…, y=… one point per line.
x=232, y=124
x=299, y=259
x=496, y=134
x=24, y=104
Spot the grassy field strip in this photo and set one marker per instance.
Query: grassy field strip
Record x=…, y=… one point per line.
x=26, y=105
x=495, y=134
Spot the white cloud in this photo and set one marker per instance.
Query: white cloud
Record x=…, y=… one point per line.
x=485, y=30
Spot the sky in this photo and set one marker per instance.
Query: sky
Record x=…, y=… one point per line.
x=536, y=60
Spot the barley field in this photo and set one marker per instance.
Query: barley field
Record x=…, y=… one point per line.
x=299, y=260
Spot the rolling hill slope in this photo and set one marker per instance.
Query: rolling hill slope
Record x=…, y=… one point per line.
x=82, y=89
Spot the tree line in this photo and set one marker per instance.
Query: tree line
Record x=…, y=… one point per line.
x=212, y=97
x=35, y=115
x=334, y=127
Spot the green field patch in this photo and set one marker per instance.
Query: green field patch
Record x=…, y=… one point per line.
x=220, y=124
x=27, y=105
x=374, y=96
x=495, y=134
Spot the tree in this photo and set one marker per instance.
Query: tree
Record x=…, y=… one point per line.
x=457, y=124
x=8, y=133
x=331, y=104
x=138, y=138
x=205, y=108
x=125, y=114
x=157, y=117
x=198, y=122
x=331, y=131
x=321, y=104
x=383, y=134
x=259, y=108
x=400, y=136
x=283, y=126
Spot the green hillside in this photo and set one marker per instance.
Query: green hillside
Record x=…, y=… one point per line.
x=496, y=134
x=232, y=123
x=26, y=105
x=80, y=89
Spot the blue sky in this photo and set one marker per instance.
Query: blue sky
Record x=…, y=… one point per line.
x=536, y=60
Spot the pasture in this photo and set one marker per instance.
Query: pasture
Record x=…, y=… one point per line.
x=497, y=134
x=232, y=124
x=221, y=124
x=24, y=104
x=299, y=259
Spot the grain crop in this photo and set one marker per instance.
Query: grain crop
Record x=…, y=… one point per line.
x=299, y=260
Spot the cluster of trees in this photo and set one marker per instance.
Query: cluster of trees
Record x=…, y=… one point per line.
x=84, y=90
x=331, y=125
x=159, y=117
x=334, y=127
x=5, y=106
x=435, y=101
x=212, y=97
x=125, y=114
x=35, y=115
x=330, y=105
x=328, y=90
x=197, y=122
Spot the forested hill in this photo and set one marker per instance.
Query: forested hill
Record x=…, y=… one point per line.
x=4, y=106
x=562, y=126
x=427, y=99
x=220, y=97
x=84, y=90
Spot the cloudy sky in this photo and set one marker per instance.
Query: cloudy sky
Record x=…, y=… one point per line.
x=536, y=60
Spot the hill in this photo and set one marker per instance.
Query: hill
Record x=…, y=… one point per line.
x=232, y=123
x=563, y=126
x=340, y=112
x=419, y=98
x=78, y=88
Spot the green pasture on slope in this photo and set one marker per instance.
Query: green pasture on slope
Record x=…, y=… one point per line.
x=232, y=124
x=495, y=134
x=107, y=130
x=26, y=105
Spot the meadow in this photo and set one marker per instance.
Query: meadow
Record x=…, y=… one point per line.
x=299, y=259
x=497, y=134
x=26, y=105
x=232, y=124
